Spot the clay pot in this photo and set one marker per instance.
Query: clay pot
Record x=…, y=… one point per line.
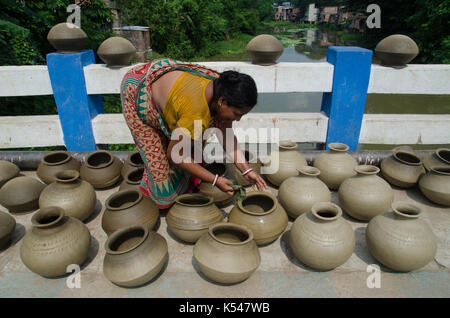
x=264, y=49
x=8, y=170
x=298, y=194
x=129, y=207
x=134, y=256
x=132, y=179
x=321, y=238
x=365, y=195
x=67, y=38
x=253, y=162
x=335, y=165
x=288, y=161
x=54, y=242
x=220, y=198
x=399, y=239
x=441, y=157
x=402, y=169
x=101, y=169
x=133, y=162
x=21, y=194
x=54, y=162
x=192, y=215
x=435, y=185
x=262, y=214
x=76, y=197
x=116, y=52
x=227, y=254
x=7, y=227
x=396, y=50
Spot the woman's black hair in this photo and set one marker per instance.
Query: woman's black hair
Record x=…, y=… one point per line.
x=238, y=89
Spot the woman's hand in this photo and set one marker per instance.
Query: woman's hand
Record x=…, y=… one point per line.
x=225, y=185
x=255, y=179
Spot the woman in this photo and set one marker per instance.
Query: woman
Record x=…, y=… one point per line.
x=165, y=94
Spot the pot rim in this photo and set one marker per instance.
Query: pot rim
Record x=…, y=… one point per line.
x=338, y=147
x=72, y=175
x=117, y=234
x=287, y=145
x=57, y=152
x=231, y=226
x=408, y=153
x=132, y=155
x=438, y=154
x=102, y=165
x=309, y=171
x=367, y=170
x=414, y=210
x=47, y=211
x=319, y=206
x=258, y=193
x=194, y=196
x=120, y=193
x=135, y=170
x=441, y=170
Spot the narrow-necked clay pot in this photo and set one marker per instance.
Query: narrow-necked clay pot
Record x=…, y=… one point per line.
x=129, y=207
x=192, y=215
x=116, y=52
x=264, y=49
x=396, y=50
x=262, y=214
x=321, y=238
x=132, y=179
x=134, y=161
x=441, y=157
x=399, y=239
x=8, y=170
x=67, y=38
x=54, y=162
x=134, y=256
x=54, y=242
x=101, y=169
x=227, y=253
x=7, y=227
x=365, y=195
x=220, y=198
x=21, y=194
x=75, y=196
x=435, y=185
x=253, y=162
x=335, y=165
x=298, y=194
x=402, y=169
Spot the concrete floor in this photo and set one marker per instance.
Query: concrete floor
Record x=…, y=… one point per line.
x=279, y=275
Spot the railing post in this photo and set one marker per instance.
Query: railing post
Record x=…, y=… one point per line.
x=76, y=108
x=345, y=105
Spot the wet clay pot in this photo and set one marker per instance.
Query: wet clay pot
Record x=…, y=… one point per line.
x=321, y=238
x=253, y=162
x=132, y=179
x=21, y=194
x=7, y=227
x=192, y=215
x=227, y=253
x=220, y=198
x=402, y=169
x=365, y=195
x=116, y=52
x=54, y=242
x=67, y=38
x=298, y=194
x=75, y=196
x=101, y=169
x=262, y=214
x=129, y=207
x=54, y=162
x=399, y=239
x=396, y=50
x=435, y=185
x=134, y=256
x=441, y=157
x=335, y=165
x=8, y=170
x=264, y=49
x=134, y=161
x=284, y=163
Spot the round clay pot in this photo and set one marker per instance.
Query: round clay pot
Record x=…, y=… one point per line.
x=54, y=242
x=134, y=256
x=7, y=227
x=67, y=38
x=321, y=238
x=116, y=52
x=21, y=194
x=133, y=162
x=76, y=197
x=288, y=161
x=253, y=162
x=220, y=198
x=264, y=49
x=399, y=239
x=129, y=207
x=192, y=215
x=101, y=169
x=262, y=214
x=402, y=169
x=335, y=165
x=132, y=179
x=441, y=157
x=435, y=185
x=227, y=253
x=298, y=194
x=8, y=170
x=396, y=50
x=365, y=195
x=54, y=162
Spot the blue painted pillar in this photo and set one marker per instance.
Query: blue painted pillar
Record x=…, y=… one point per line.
x=76, y=108
x=345, y=105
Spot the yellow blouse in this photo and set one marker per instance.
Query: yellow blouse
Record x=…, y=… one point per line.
x=186, y=102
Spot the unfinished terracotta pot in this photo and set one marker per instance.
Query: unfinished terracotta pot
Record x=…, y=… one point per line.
x=335, y=165
x=262, y=214
x=76, y=197
x=402, y=169
x=365, y=195
x=54, y=242
x=21, y=194
x=396, y=50
x=134, y=256
x=129, y=207
x=220, y=198
x=298, y=194
x=227, y=254
x=8, y=170
x=7, y=228
x=116, y=52
x=321, y=238
x=435, y=185
x=67, y=38
x=192, y=215
x=134, y=161
x=399, y=239
x=441, y=157
x=54, y=162
x=253, y=162
x=132, y=179
x=101, y=169
x=264, y=49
